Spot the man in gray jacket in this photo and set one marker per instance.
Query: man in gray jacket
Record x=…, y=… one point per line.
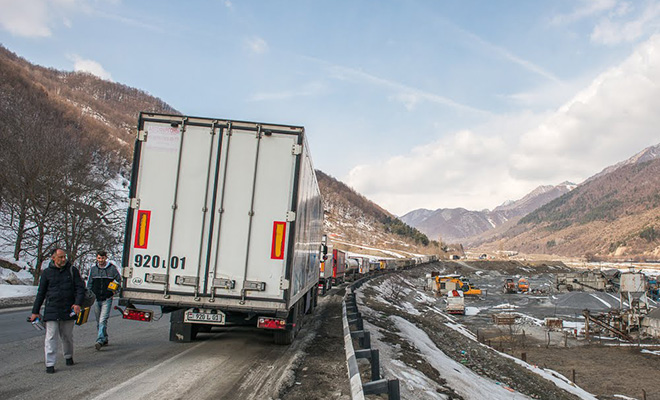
x=102, y=274
x=63, y=290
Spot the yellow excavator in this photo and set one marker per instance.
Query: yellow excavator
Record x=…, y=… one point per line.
x=445, y=284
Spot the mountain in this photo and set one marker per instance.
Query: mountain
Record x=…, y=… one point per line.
x=611, y=216
x=66, y=142
x=455, y=225
x=534, y=199
x=648, y=154
x=105, y=109
x=354, y=223
x=103, y=113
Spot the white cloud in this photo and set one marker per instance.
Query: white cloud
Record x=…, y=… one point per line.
x=90, y=66
x=311, y=89
x=407, y=95
x=37, y=18
x=587, y=9
x=257, y=45
x=608, y=121
x=25, y=18
x=508, y=55
x=615, y=28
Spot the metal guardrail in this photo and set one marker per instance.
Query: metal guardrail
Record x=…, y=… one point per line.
x=352, y=317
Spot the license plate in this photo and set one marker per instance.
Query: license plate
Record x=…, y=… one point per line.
x=204, y=318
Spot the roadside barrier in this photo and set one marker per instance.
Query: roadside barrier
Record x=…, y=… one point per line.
x=352, y=317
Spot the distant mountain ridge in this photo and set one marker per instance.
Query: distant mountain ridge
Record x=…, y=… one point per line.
x=648, y=154
x=357, y=224
x=457, y=224
x=107, y=112
x=615, y=216
x=110, y=109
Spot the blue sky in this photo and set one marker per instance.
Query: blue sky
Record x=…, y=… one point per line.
x=414, y=103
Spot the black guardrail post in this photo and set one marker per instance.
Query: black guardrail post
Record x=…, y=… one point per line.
x=376, y=385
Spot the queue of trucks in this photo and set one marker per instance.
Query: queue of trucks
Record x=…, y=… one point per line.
x=224, y=227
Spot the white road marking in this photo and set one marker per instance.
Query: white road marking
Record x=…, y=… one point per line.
x=166, y=372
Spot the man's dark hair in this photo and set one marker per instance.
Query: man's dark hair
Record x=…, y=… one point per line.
x=52, y=252
x=102, y=253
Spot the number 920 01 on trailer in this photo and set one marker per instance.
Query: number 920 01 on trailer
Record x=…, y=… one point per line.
x=224, y=225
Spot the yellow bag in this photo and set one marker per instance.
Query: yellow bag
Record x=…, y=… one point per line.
x=84, y=314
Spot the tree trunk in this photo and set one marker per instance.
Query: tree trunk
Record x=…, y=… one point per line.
x=22, y=216
x=40, y=253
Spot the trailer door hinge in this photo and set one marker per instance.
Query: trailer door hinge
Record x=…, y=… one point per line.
x=296, y=149
x=290, y=216
x=142, y=136
x=134, y=203
x=284, y=284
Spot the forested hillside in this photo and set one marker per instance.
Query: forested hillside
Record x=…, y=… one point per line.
x=64, y=147
x=352, y=218
x=613, y=216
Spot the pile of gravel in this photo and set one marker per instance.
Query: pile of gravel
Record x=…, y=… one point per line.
x=578, y=301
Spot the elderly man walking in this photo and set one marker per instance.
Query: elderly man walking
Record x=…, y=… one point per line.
x=64, y=291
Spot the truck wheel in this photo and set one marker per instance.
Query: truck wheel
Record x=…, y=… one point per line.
x=286, y=336
x=315, y=300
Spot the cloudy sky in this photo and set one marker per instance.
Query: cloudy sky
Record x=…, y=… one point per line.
x=414, y=103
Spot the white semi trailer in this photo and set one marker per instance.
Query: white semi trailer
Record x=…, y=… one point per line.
x=224, y=225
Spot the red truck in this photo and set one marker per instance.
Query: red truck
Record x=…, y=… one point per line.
x=338, y=266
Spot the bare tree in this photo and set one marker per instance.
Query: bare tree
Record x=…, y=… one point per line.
x=56, y=178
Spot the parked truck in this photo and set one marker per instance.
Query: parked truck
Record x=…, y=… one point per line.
x=224, y=225
x=338, y=266
x=509, y=286
x=455, y=302
x=325, y=272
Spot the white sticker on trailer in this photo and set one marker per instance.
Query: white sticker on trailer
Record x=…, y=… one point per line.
x=163, y=138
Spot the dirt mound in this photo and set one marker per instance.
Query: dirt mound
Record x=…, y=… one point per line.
x=578, y=301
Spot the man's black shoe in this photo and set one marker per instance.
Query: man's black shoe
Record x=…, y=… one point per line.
x=69, y=361
x=50, y=370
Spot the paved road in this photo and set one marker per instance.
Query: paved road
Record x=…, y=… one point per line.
x=141, y=363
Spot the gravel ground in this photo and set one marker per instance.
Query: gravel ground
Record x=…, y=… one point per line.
x=322, y=373
x=598, y=368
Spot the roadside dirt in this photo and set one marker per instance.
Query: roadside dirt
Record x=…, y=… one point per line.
x=479, y=358
x=322, y=373
x=605, y=371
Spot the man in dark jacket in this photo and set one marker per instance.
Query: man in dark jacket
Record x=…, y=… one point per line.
x=63, y=290
x=102, y=274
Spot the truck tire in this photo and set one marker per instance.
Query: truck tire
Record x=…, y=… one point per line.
x=315, y=300
x=180, y=331
x=286, y=336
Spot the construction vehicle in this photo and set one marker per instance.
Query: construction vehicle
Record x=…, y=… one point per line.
x=523, y=285
x=509, y=286
x=445, y=284
x=455, y=302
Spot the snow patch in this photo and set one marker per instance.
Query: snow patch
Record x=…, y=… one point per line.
x=471, y=310
x=9, y=291
x=465, y=382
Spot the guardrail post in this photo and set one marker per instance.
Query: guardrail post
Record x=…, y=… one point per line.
x=393, y=392
x=366, y=340
x=375, y=365
x=376, y=385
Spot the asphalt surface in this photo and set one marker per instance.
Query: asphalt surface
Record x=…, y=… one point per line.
x=141, y=363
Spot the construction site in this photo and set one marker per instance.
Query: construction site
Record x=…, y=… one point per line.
x=598, y=329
